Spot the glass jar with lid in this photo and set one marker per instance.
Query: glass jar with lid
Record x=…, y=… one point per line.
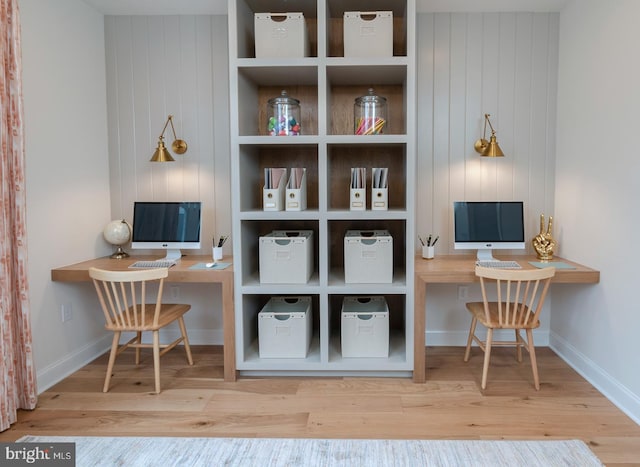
x=370, y=114
x=283, y=116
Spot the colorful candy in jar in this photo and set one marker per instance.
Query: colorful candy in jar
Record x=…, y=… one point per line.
x=283, y=116
x=370, y=114
x=283, y=127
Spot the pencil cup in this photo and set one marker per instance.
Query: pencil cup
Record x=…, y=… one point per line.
x=217, y=253
x=428, y=252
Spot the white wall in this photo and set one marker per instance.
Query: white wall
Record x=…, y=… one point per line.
x=469, y=64
x=595, y=328
x=67, y=175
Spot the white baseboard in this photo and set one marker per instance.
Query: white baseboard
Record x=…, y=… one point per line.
x=72, y=362
x=611, y=388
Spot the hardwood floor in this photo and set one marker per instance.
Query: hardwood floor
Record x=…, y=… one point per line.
x=195, y=401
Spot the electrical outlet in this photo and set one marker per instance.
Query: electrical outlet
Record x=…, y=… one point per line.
x=66, y=312
x=175, y=292
x=463, y=292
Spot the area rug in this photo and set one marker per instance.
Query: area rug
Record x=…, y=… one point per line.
x=126, y=451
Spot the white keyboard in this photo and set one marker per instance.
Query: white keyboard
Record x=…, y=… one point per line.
x=498, y=264
x=161, y=263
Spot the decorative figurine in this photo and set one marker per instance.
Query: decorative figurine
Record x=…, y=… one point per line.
x=543, y=243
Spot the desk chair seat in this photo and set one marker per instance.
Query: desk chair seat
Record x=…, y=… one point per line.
x=520, y=297
x=123, y=297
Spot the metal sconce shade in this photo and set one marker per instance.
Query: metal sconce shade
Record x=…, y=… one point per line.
x=162, y=154
x=179, y=146
x=488, y=148
x=492, y=149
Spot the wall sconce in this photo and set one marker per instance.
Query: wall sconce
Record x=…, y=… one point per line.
x=488, y=148
x=179, y=146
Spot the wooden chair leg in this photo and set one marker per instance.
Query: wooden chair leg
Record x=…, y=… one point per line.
x=112, y=360
x=487, y=357
x=532, y=355
x=139, y=341
x=518, y=346
x=185, y=340
x=156, y=359
x=472, y=331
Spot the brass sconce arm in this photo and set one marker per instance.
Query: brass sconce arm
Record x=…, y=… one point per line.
x=179, y=146
x=488, y=148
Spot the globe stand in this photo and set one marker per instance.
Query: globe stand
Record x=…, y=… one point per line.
x=119, y=254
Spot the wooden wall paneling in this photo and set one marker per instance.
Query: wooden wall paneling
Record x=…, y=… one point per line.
x=424, y=152
x=186, y=114
x=539, y=112
x=173, y=66
x=470, y=64
x=457, y=119
x=158, y=66
x=490, y=93
x=159, y=173
x=138, y=178
x=522, y=103
x=505, y=109
x=195, y=46
x=441, y=117
x=115, y=181
x=539, y=109
x=124, y=103
x=552, y=96
x=213, y=122
x=475, y=109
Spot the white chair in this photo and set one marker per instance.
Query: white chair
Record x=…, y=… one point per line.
x=520, y=297
x=123, y=296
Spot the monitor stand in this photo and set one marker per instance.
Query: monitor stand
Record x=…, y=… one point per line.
x=485, y=254
x=173, y=254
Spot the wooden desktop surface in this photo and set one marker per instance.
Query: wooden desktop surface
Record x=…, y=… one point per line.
x=181, y=272
x=460, y=269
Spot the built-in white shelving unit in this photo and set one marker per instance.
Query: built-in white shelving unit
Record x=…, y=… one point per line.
x=326, y=83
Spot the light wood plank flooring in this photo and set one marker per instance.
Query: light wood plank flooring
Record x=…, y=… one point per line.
x=195, y=401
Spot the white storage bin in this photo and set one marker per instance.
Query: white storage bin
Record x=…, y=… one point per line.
x=286, y=257
x=285, y=327
x=365, y=327
x=280, y=35
x=368, y=257
x=368, y=34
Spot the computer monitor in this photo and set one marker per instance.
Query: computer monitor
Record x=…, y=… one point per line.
x=169, y=226
x=487, y=226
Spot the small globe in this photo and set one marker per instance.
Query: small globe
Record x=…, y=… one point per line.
x=117, y=233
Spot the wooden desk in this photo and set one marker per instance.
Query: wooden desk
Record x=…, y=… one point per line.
x=79, y=272
x=460, y=269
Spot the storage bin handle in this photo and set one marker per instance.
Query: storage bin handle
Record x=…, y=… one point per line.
x=368, y=15
x=277, y=18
